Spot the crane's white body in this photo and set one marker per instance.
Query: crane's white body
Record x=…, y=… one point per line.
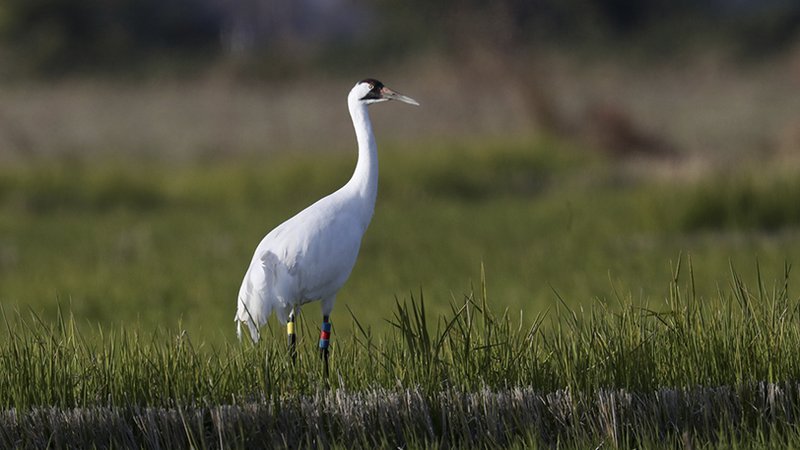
x=310, y=256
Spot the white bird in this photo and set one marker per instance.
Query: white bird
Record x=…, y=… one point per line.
x=310, y=256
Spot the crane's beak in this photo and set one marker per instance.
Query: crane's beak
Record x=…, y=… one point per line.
x=389, y=94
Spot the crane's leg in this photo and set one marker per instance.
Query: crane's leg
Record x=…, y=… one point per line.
x=324, y=341
x=291, y=336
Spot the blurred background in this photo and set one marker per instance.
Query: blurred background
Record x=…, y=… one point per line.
x=581, y=147
x=209, y=77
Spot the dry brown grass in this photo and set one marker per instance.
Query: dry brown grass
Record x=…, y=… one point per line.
x=707, y=107
x=409, y=417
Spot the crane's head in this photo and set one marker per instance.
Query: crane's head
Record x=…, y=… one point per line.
x=373, y=91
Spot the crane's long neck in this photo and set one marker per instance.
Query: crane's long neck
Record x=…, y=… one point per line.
x=364, y=182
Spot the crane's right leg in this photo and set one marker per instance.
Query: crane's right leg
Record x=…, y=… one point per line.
x=291, y=336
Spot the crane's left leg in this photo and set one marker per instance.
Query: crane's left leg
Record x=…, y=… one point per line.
x=325, y=330
x=324, y=341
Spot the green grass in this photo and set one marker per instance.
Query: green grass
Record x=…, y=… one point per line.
x=714, y=370
x=131, y=241
x=118, y=283
x=745, y=203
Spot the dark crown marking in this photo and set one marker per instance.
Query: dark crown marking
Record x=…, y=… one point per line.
x=375, y=92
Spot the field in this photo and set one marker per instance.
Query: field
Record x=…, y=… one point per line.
x=517, y=293
x=516, y=288
x=683, y=373
x=585, y=234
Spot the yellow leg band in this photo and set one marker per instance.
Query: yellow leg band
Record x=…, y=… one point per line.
x=290, y=328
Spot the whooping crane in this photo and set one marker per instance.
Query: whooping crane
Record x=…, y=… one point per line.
x=310, y=256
